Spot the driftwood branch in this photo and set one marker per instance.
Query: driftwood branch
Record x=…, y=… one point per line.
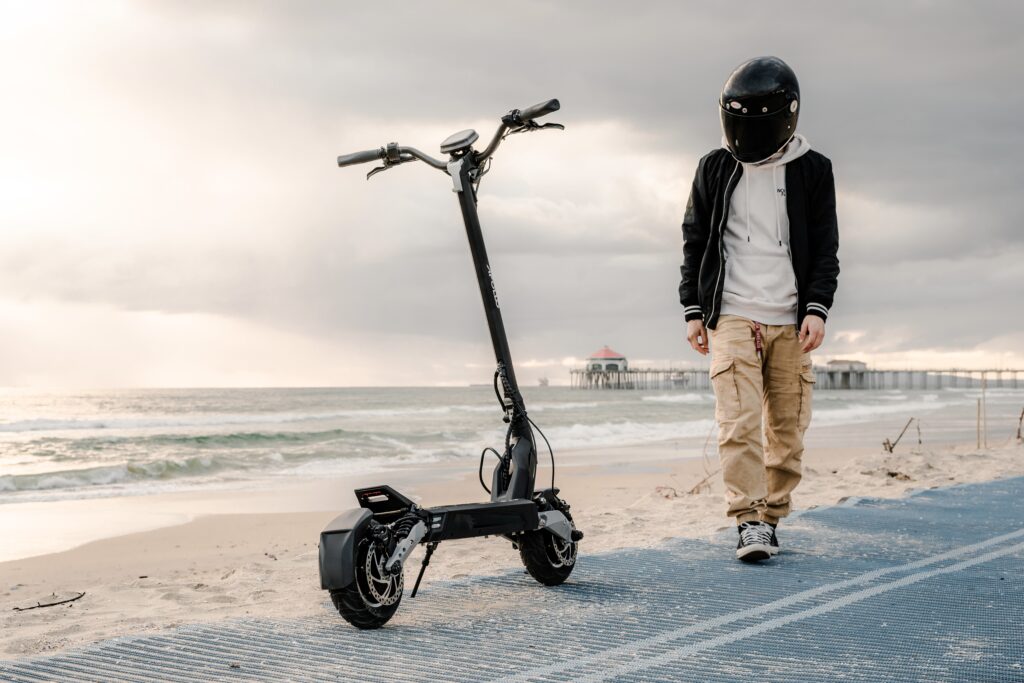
x=671, y=492
x=50, y=604
x=703, y=483
x=707, y=441
x=666, y=491
x=889, y=446
x=700, y=485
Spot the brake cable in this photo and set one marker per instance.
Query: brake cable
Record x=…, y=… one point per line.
x=480, y=173
x=480, y=470
x=501, y=402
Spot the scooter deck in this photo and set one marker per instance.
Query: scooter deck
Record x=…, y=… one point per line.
x=470, y=520
x=447, y=522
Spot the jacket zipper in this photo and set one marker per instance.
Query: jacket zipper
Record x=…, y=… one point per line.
x=789, y=250
x=716, y=301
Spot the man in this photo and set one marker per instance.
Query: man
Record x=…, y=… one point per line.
x=759, y=271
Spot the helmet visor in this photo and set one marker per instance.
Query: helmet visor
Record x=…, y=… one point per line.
x=754, y=136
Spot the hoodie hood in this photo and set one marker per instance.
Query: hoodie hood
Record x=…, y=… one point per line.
x=794, y=149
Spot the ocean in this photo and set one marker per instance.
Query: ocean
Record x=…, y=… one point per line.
x=94, y=444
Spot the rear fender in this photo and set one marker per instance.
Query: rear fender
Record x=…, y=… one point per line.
x=338, y=543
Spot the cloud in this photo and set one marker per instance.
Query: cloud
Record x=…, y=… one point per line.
x=175, y=160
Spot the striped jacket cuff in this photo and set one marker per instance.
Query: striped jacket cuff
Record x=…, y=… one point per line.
x=693, y=313
x=817, y=309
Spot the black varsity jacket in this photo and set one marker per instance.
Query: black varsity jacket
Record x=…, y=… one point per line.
x=813, y=234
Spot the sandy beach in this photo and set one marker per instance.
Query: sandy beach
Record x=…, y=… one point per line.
x=253, y=553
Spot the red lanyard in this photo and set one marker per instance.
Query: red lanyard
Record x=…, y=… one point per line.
x=757, y=341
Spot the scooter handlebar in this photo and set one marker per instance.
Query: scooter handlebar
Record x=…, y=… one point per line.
x=539, y=110
x=518, y=120
x=514, y=121
x=361, y=157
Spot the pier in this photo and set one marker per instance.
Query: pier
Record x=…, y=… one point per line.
x=841, y=375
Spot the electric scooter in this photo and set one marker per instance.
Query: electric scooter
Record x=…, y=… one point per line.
x=363, y=550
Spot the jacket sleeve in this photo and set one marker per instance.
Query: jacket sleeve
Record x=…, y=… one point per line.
x=824, y=247
x=696, y=229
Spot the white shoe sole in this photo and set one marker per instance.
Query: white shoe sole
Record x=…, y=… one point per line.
x=754, y=553
x=773, y=550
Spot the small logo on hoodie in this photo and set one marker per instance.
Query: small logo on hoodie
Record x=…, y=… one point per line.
x=781, y=190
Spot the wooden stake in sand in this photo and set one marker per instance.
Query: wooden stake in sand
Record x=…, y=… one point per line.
x=984, y=411
x=978, y=424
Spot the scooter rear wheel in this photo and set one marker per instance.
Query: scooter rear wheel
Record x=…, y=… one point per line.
x=372, y=599
x=547, y=557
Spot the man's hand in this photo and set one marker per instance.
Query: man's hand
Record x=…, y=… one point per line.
x=697, y=336
x=812, y=333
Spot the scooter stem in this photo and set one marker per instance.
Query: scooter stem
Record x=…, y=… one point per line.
x=462, y=170
x=523, y=450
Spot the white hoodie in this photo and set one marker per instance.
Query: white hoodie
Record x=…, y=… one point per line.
x=760, y=284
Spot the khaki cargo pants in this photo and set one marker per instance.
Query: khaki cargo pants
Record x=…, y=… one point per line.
x=776, y=386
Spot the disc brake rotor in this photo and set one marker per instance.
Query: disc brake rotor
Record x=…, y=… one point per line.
x=561, y=553
x=384, y=587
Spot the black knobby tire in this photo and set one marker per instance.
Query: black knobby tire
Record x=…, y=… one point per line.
x=355, y=602
x=547, y=558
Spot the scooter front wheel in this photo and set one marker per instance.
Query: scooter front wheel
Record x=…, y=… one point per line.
x=547, y=558
x=373, y=597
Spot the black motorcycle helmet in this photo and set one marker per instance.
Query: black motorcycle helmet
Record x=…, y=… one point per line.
x=760, y=106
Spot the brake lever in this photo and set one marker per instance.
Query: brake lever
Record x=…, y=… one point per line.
x=530, y=126
x=392, y=157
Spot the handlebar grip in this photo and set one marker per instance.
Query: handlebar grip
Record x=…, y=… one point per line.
x=361, y=157
x=538, y=110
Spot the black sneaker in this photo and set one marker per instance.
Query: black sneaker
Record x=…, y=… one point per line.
x=755, y=542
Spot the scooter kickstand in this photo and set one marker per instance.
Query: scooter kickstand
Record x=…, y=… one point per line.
x=423, y=568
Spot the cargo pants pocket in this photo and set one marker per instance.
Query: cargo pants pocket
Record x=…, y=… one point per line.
x=727, y=393
x=807, y=381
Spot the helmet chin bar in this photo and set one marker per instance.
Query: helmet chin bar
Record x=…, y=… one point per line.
x=773, y=154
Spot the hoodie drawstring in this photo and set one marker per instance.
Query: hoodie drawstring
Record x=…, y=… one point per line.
x=775, y=196
x=746, y=185
x=775, y=199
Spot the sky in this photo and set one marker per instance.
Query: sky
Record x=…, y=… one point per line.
x=171, y=213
